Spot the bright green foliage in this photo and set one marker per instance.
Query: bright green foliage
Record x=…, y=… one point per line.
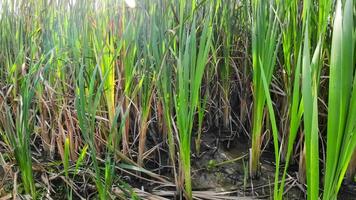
x=191, y=63
x=341, y=138
x=264, y=52
x=309, y=91
x=100, y=75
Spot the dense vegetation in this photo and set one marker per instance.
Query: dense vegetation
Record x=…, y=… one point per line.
x=93, y=91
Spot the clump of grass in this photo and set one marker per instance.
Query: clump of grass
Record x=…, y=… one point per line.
x=342, y=103
x=87, y=103
x=19, y=132
x=191, y=62
x=21, y=140
x=264, y=52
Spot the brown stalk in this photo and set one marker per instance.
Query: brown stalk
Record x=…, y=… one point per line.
x=351, y=171
x=302, y=165
x=159, y=113
x=72, y=139
x=125, y=103
x=61, y=134
x=44, y=115
x=143, y=133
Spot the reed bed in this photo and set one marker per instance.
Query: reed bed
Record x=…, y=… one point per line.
x=110, y=94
